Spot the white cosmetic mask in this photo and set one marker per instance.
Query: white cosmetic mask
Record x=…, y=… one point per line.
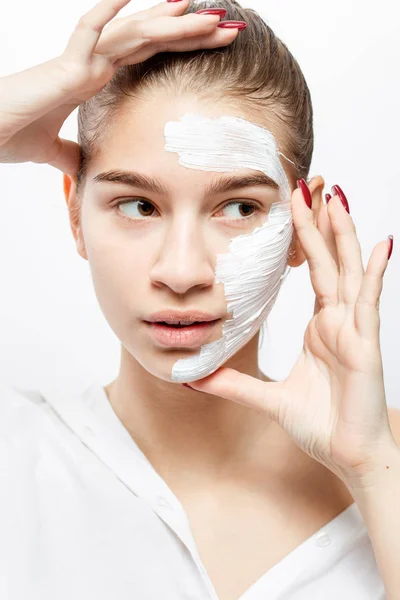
x=255, y=266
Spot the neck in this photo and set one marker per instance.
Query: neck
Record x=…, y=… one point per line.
x=184, y=431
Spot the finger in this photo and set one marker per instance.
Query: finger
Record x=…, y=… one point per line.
x=159, y=10
x=121, y=29
x=351, y=270
x=366, y=313
x=66, y=156
x=243, y=389
x=317, y=307
x=216, y=39
x=86, y=34
x=323, y=269
x=135, y=34
x=324, y=226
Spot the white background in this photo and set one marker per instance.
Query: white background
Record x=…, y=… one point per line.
x=51, y=325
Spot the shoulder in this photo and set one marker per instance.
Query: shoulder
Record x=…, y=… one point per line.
x=19, y=408
x=12, y=396
x=394, y=420
x=31, y=434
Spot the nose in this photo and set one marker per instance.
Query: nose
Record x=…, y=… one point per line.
x=185, y=257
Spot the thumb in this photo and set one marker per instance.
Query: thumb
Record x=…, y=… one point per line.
x=244, y=389
x=66, y=156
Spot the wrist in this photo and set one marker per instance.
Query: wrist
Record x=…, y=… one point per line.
x=377, y=473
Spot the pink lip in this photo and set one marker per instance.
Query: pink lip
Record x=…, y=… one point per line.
x=169, y=314
x=189, y=336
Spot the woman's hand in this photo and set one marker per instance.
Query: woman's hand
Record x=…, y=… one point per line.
x=34, y=103
x=333, y=402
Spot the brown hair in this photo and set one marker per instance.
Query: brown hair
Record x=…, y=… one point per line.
x=256, y=72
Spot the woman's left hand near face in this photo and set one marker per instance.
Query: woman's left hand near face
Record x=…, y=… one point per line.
x=333, y=402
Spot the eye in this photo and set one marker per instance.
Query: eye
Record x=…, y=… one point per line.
x=146, y=209
x=247, y=205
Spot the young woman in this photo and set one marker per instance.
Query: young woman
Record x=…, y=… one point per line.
x=187, y=195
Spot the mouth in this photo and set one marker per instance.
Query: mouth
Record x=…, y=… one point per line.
x=176, y=335
x=179, y=326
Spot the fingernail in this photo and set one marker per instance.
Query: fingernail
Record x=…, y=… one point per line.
x=306, y=192
x=336, y=190
x=390, y=240
x=212, y=11
x=233, y=24
x=189, y=386
x=173, y=0
x=327, y=197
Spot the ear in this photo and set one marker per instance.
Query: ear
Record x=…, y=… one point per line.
x=316, y=185
x=74, y=210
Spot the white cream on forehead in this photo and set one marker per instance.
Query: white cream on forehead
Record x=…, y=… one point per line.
x=254, y=267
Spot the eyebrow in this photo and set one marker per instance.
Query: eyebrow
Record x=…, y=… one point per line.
x=152, y=184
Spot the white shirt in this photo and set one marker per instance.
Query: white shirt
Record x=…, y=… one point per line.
x=85, y=516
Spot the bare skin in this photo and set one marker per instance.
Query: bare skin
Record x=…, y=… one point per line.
x=249, y=511
x=52, y=90
x=250, y=494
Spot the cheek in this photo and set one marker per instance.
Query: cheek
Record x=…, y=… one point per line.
x=253, y=283
x=109, y=246
x=252, y=271
x=119, y=268
x=118, y=265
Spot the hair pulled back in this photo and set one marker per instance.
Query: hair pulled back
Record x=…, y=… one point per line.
x=256, y=72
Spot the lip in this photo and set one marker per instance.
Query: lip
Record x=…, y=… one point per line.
x=181, y=337
x=179, y=315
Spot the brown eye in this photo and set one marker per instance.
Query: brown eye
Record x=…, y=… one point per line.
x=248, y=210
x=144, y=210
x=140, y=209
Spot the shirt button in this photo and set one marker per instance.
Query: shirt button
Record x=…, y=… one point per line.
x=323, y=540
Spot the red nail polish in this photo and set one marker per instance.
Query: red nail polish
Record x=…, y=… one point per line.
x=390, y=240
x=337, y=190
x=232, y=25
x=306, y=192
x=173, y=0
x=212, y=11
x=187, y=385
x=328, y=197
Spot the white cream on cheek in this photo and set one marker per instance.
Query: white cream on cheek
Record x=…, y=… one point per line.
x=253, y=269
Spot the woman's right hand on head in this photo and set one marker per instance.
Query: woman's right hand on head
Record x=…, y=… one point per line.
x=34, y=103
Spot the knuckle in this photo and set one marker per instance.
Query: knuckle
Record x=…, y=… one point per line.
x=314, y=263
x=240, y=395
x=326, y=300
x=207, y=21
x=142, y=30
x=85, y=24
x=351, y=272
x=160, y=47
x=71, y=74
x=366, y=303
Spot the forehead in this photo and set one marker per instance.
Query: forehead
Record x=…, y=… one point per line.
x=142, y=121
x=137, y=137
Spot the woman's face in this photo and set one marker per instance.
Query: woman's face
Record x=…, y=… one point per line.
x=175, y=233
